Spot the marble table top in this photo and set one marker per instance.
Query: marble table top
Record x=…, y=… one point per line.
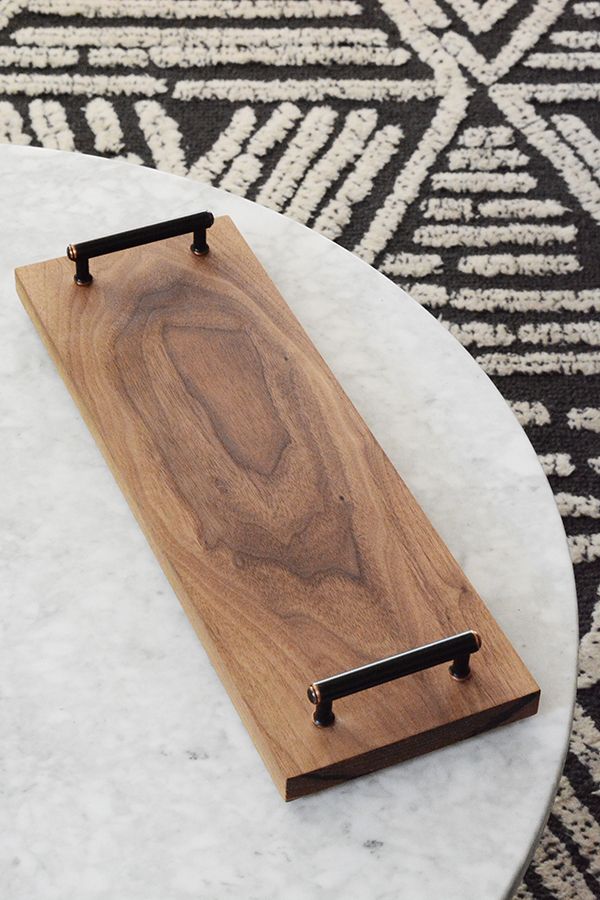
x=125, y=771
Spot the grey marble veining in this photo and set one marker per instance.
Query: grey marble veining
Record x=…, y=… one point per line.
x=125, y=771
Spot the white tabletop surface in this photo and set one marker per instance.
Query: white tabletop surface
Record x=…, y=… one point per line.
x=124, y=769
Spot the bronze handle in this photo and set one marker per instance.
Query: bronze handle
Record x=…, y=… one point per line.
x=81, y=253
x=457, y=648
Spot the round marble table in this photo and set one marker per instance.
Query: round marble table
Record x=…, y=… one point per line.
x=125, y=769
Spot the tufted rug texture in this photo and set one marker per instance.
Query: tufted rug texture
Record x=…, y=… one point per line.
x=453, y=144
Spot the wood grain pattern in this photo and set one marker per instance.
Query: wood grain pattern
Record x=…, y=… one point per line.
x=293, y=544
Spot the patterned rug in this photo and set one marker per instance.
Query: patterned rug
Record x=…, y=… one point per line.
x=453, y=144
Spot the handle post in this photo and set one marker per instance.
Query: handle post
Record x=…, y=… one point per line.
x=456, y=649
x=82, y=270
x=199, y=245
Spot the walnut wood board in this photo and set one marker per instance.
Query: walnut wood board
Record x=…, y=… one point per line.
x=293, y=544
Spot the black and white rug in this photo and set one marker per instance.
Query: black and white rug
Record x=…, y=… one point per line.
x=453, y=144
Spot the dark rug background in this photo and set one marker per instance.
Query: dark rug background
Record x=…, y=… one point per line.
x=401, y=130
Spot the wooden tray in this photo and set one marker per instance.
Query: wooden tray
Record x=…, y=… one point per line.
x=294, y=546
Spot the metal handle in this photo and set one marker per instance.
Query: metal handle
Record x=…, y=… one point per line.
x=457, y=648
x=80, y=254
